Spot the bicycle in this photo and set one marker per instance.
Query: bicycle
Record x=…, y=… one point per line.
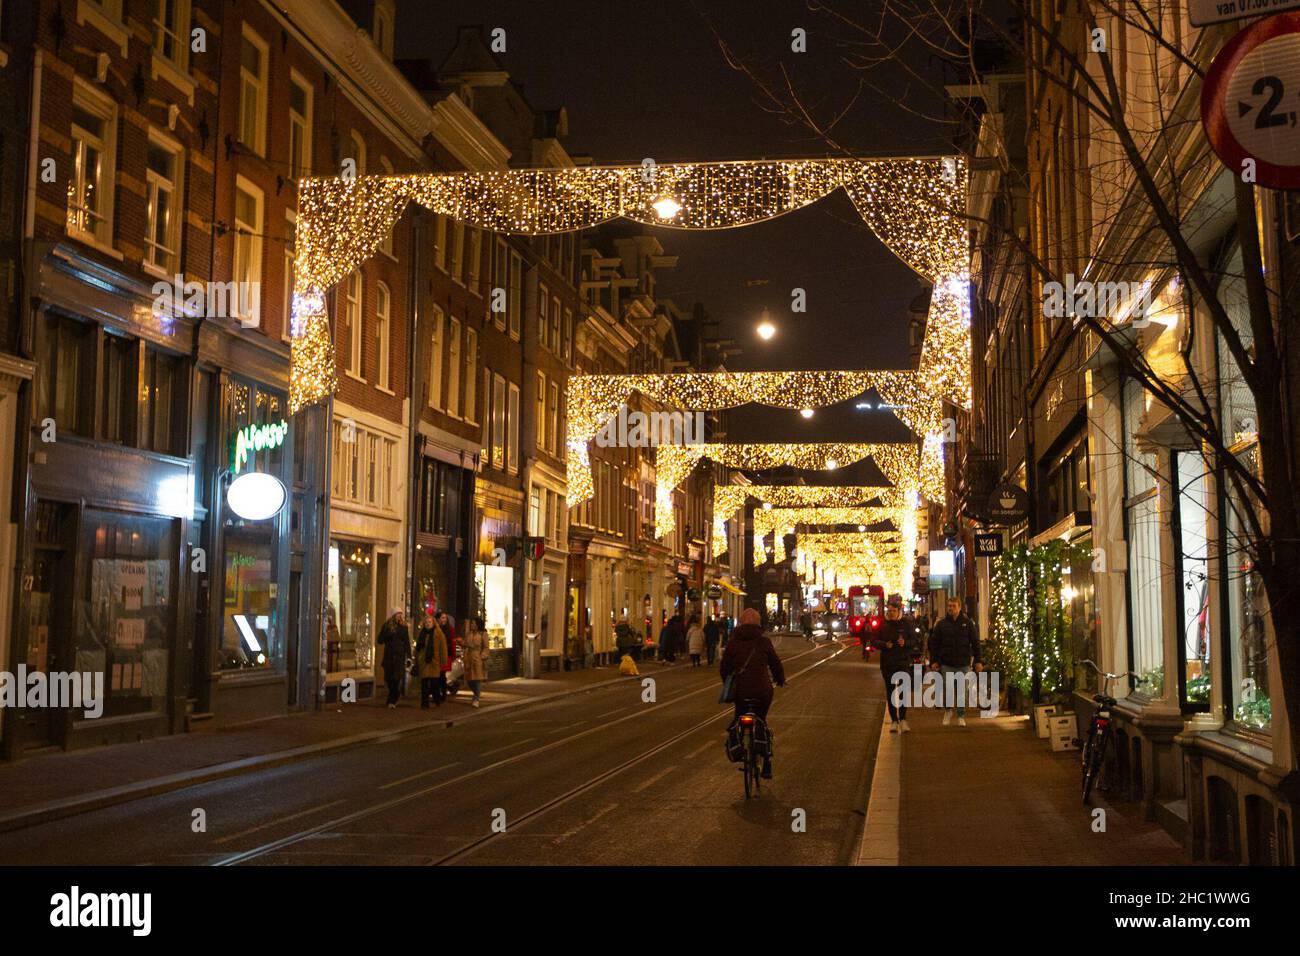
x=1099, y=729
x=750, y=728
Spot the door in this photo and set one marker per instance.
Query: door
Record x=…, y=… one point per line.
x=50, y=600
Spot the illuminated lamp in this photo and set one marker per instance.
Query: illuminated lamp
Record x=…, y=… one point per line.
x=256, y=496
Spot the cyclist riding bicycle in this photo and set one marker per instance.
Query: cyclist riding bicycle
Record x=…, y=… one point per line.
x=751, y=657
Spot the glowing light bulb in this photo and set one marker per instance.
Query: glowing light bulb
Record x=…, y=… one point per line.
x=666, y=207
x=806, y=412
x=766, y=330
x=831, y=464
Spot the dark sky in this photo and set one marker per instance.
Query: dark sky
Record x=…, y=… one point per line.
x=649, y=79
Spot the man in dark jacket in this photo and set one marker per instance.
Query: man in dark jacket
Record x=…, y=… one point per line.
x=671, y=638
x=895, y=658
x=751, y=657
x=954, y=646
x=712, y=634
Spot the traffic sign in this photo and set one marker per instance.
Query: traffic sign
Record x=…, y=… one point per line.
x=1203, y=13
x=988, y=545
x=1250, y=102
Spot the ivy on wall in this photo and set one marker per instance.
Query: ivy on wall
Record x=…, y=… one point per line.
x=1030, y=622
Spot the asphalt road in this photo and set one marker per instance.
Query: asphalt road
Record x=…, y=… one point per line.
x=601, y=777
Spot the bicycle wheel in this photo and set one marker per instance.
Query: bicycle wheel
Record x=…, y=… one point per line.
x=749, y=767
x=1092, y=767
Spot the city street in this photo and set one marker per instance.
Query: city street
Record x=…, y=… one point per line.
x=598, y=778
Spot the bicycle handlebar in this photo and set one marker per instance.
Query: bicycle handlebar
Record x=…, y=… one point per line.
x=1111, y=677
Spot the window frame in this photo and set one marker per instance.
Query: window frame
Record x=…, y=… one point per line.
x=354, y=296
x=260, y=82
x=96, y=104
x=176, y=187
x=253, y=233
x=302, y=166
x=181, y=34
x=383, y=336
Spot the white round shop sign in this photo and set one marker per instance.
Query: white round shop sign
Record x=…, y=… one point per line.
x=256, y=496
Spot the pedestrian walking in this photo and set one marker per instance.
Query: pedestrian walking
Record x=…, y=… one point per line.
x=954, y=647
x=712, y=634
x=668, y=639
x=624, y=637
x=695, y=640
x=430, y=658
x=448, y=627
x=895, y=658
x=395, y=639
x=474, y=643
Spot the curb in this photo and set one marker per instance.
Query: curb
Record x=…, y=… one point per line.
x=99, y=799
x=880, y=834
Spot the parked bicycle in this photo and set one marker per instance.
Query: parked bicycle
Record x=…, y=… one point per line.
x=1099, y=729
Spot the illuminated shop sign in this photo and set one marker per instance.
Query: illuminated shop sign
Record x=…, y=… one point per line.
x=254, y=438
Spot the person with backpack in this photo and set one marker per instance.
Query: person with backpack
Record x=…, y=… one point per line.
x=750, y=657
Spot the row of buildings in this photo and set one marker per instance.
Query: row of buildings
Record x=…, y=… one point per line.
x=149, y=147
x=1134, y=552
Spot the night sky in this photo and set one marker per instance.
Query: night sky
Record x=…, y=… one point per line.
x=650, y=79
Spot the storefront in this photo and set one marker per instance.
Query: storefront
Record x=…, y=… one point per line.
x=497, y=587
x=109, y=494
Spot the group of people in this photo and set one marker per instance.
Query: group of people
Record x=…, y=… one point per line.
x=699, y=639
x=436, y=649
x=954, y=648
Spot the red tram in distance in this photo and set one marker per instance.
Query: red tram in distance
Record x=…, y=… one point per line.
x=866, y=611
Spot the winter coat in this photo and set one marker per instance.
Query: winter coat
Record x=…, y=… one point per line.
x=712, y=632
x=395, y=639
x=450, y=633
x=752, y=680
x=671, y=637
x=476, y=652
x=695, y=640
x=892, y=657
x=954, y=643
x=431, y=651
x=624, y=640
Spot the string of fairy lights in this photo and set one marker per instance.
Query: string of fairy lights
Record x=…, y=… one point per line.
x=914, y=205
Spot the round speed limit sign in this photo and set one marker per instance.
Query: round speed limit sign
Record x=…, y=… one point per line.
x=1250, y=102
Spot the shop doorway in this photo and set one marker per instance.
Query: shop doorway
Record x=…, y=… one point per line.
x=50, y=602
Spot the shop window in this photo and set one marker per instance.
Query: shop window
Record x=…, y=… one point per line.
x=1145, y=567
x=163, y=392
x=250, y=633
x=127, y=629
x=66, y=375
x=349, y=608
x=1248, y=694
x=496, y=588
x=1194, y=507
x=118, y=389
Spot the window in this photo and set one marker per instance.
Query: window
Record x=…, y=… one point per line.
x=556, y=312
x=471, y=374
x=300, y=103
x=386, y=244
x=382, y=334
x=553, y=423
x=435, y=361
x=118, y=389
x=568, y=335
x=1248, y=695
x=383, y=32
x=359, y=153
x=457, y=250
x=516, y=277
x=440, y=242
x=1192, y=554
x=540, y=417
x=453, y=368
x=163, y=391
x=362, y=465
x=252, y=92
x=246, y=305
x=352, y=316
x=512, y=438
x=475, y=258
x=290, y=249
x=90, y=203
x=163, y=226
x=1143, y=528
x=543, y=313
x=66, y=374
x=498, y=422
x=171, y=30
x=501, y=280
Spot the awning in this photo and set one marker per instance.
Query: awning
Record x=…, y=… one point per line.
x=727, y=586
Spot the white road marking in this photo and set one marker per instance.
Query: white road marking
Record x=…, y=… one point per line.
x=560, y=730
x=517, y=743
x=277, y=822
x=707, y=745
x=651, y=781
x=417, y=776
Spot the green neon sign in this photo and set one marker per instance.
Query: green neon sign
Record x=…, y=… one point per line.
x=254, y=438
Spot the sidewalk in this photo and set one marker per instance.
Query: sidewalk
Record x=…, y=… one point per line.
x=49, y=786
x=993, y=793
